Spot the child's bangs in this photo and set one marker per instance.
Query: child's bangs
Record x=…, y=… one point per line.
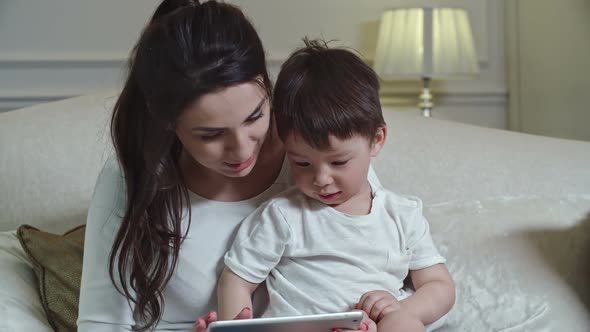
x=315, y=118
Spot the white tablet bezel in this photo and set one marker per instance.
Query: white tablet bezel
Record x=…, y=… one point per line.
x=319, y=322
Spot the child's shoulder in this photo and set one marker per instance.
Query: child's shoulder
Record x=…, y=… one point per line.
x=407, y=210
x=287, y=199
x=291, y=204
x=400, y=200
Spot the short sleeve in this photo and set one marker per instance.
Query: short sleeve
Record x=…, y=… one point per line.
x=419, y=240
x=259, y=243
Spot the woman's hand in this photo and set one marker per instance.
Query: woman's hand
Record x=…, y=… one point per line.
x=366, y=325
x=378, y=304
x=203, y=323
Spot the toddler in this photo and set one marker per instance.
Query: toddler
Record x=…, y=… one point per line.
x=335, y=241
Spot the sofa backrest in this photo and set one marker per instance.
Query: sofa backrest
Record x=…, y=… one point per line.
x=50, y=156
x=443, y=161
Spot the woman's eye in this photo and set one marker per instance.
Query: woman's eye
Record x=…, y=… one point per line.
x=256, y=117
x=339, y=163
x=302, y=164
x=210, y=137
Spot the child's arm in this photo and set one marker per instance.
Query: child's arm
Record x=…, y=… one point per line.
x=435, y=293
x=233, y=294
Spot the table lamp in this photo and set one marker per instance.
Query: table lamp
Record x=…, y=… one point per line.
x=427, y=43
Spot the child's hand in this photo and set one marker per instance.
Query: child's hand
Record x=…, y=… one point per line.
x=203, y=323
x=367, y=325
x=377, y=304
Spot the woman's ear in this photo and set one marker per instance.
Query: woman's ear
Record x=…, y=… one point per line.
x=378, y=141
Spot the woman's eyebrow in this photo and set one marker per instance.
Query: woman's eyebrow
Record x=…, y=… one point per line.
x=206, y=129
x=213, y=129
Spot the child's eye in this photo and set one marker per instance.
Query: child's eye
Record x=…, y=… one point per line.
x=302, y=164
x=339, y=163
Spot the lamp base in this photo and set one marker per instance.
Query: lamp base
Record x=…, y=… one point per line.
x=426, y=103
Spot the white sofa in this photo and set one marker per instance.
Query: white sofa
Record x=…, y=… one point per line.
x=510, y=211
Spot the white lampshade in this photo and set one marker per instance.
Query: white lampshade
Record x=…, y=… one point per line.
x=425, y=42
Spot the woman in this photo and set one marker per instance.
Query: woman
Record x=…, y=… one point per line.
x=196, y=152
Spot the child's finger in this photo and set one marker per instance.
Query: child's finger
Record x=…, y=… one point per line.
x=246, y=313
x=365, y=296
x=366, y=325
x=367, y=304
x=378, y=307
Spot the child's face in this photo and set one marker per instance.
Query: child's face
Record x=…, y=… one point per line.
x=335, y=175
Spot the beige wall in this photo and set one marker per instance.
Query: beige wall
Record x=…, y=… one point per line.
x=354, y=23
x=55, y=49
x=550, y=67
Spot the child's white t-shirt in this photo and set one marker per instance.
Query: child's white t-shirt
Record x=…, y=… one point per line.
x=316, y=259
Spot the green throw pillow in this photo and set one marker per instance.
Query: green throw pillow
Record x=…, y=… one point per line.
x=58, y=265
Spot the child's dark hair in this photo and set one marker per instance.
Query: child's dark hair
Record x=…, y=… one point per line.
x=324, y=91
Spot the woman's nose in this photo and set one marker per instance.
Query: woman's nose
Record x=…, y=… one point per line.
x=238, y=145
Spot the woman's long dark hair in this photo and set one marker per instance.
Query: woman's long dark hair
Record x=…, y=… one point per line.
x=185, y=51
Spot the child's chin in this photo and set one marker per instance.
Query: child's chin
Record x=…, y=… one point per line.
x=335, y=201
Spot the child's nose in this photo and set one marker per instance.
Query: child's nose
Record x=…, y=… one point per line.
x=322, y=179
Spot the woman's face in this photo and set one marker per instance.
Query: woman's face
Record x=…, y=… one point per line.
x=224, y=131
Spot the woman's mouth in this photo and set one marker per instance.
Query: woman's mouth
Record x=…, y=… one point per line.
x=241, y=166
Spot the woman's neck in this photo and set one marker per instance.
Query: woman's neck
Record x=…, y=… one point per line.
x=214, y=186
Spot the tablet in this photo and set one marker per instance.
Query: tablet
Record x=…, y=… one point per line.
x=309, y=323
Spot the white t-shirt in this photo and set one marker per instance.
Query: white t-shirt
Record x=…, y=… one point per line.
x=316, y=259
x=191, y=292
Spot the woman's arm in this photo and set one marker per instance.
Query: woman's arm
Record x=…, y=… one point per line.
x=435, y=293
x=233, y=294
x=102, y=307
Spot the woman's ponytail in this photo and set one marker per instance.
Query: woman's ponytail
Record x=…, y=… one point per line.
x=168, y=6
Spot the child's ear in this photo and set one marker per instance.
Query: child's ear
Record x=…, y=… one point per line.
x=378, y=141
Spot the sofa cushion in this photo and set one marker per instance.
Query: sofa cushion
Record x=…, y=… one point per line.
x=20, y=306
x=50, y=156
x=519, y=263
x=57, y=261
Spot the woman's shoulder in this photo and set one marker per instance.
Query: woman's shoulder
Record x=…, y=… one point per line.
x=112, y=168
x=110, y=177
x=109, y=197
